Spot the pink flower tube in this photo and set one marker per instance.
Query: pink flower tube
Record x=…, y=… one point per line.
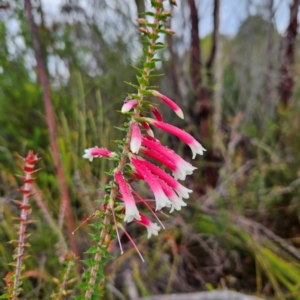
x=131, y=211
x=183, y=168
x=90, y=153
x=169, y=102
x=152, y=228
x=195, y=146
x=136, y=138
x=157, y=114
x=148, y=129
x=177, y=202
x=160, y=197
x=182, y=191
x=127, y=106
x=160, y=158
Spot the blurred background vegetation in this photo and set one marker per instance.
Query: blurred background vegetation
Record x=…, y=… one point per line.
x=240, y=95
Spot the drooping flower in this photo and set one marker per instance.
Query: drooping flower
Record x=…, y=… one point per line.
x=177, y=202
x=90, y=153
x=131, y=211
x=183, y=168
x=169, y=102
x=195, y=146
x=136, y=138
x=152, y=228
x=127, y=106
x=160, y=197
x=181, y=190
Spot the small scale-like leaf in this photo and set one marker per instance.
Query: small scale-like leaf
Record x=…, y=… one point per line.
x=93, y=250
x=133, y=85
x=90, y=262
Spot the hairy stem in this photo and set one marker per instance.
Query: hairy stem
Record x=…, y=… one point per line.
x=22, y=236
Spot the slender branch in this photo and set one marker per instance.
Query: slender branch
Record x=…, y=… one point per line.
x=30, y=162
x=43, y=78
x=195, y=63
x=287, y=82
x=215, y=39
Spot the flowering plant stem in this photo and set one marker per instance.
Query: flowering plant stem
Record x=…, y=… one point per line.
x=25, y=208
x=167, y=191
x=105, y=234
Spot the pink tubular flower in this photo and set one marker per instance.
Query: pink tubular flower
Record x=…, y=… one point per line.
x=182, y=191
x=195, y=146
x=157, y=114
x=148, y=129
x=157, y=156
x=131, y=211
x=183, y=168
x=136, y=138
x=169, y=102
x=127, y=106
x=160, y=197
x=90, y=153
x=177, y=202
x=152, y=228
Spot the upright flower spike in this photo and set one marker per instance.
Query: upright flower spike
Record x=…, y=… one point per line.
x=129, y=105
x=152, y=228
x=160, y=197
x=195, y=146
x=136, y=138
x=169, y=102
x=183, y=167
x=90, y=153
x=131, y=211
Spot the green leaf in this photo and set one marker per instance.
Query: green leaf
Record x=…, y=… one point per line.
x=147, y=53
x=158, y=47
x=121, y=128
x=142, y=81
x=141, y=71
x=97, y=225
x=147, y=13
x=150, y=65
x=93, y=249
x=133, y=85
x=94, y=236
x=155, y=75
x=90, y=262
x=156, y=4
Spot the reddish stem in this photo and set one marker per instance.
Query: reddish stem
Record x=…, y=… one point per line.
x=43, y=78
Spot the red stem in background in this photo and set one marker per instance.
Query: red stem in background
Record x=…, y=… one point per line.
x=42, y=76
x=30, y=161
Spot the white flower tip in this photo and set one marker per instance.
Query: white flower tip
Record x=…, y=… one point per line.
x=179, y=176
x=88, y=154
x=197, y=148
x=179, y=113
x=135, y=146
x=153, y=229
x=150, y=132
x=131, y=213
